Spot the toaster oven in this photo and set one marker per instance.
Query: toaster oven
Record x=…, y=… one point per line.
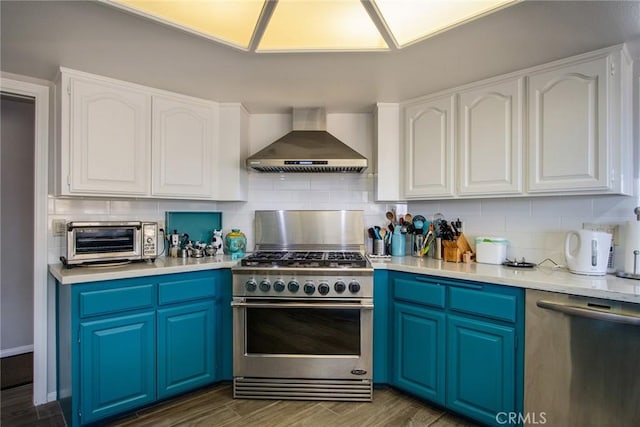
x=110, y=241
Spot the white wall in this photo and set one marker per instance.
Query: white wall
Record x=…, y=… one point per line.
x=17, y=177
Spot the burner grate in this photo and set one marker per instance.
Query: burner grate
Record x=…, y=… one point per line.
x=309, y=259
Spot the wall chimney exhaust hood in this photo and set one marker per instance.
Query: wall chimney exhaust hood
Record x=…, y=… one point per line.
x=308, y=148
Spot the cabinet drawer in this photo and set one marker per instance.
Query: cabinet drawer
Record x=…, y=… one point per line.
x=94, y=303
x=186, y=290
x=483, y=303
x=420, y=292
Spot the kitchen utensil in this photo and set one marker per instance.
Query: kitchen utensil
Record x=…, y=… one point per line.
x=418, y=223
x=591, y=253
x=398, y=243
x=391, y=217
x=417, y=243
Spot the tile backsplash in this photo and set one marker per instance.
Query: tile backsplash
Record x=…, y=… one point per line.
x=535, y=227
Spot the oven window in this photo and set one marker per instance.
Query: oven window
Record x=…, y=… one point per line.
x=312, y=331
x=104, y=240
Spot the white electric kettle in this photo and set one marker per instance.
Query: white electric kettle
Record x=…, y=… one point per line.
x=591, y=254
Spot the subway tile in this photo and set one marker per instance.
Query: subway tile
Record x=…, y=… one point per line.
x=135, y=207
x=533, y=224
x=504, y=207
x=558, y=206
x=484, y=225
x=452, y=209
x=73, y=206
x=186, y=206
x=292, y=184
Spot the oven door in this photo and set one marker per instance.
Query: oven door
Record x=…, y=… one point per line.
x=303, y=338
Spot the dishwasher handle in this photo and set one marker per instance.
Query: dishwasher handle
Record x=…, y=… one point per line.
x=590, y=313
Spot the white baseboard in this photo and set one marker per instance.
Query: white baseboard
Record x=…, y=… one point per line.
x=16, y=350
x=52, y=396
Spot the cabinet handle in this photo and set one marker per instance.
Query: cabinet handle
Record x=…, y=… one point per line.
x=589, y=313
x=426, y=280
x=466, y=285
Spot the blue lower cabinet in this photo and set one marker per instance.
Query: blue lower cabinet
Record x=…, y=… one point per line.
x=419, y=351
x=117, y=365
x=455, y=344
x=481, y=368
x=126, y=343
x=186, y=351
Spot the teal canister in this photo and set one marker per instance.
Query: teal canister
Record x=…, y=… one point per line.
x=235, y=243
x=398, y=243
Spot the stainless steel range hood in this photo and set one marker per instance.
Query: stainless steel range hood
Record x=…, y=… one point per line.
x=308, y=148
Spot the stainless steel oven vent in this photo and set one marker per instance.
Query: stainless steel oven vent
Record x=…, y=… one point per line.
x=302, y=389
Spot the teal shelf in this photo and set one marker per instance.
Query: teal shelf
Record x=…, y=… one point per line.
x=198, y=225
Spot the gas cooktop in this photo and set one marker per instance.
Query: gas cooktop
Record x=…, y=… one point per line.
x=308, y=259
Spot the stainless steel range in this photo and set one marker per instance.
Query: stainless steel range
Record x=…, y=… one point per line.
x=303, y=309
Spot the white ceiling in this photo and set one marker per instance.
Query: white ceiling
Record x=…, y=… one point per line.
x=38, y=37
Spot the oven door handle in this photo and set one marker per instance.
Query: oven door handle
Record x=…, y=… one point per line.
x=365, y=306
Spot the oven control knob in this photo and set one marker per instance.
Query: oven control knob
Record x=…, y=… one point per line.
x=309, y=288
x=293, y=286
x=278, y=286
x=251, y=285
x=323, y=288
x=339, y=286
x=354, y=287
x=265, y=285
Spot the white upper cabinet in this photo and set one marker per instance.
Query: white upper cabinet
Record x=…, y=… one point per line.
x=490, y=139
x=428, y=149
x=558, y=128
x=121, y=139
x=184, y=137
x=574, y=126
x=109, y=131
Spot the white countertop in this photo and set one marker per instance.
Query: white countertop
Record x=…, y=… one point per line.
x=542, y=278
x=162, y=265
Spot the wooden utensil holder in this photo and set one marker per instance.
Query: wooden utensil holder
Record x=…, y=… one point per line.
x=453, y=249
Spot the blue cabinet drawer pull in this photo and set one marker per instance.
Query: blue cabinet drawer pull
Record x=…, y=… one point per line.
x=466, y=285
x=428, y=280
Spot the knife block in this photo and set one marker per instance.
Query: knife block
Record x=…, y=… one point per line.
x=452, y=250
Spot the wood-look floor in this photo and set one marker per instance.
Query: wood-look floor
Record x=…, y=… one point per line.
x=215, y=406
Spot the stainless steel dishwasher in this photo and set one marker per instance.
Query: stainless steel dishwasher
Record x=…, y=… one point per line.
x=582, y=361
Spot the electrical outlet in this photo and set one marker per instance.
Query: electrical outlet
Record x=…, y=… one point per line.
x=161, y=225
x=613, y=229
x=59, y=227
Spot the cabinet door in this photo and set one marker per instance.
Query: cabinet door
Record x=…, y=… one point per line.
x=481, y=368
x=490, y=138
x=568, y=128
x=419, y=351
x=117, y=365
x=186, y=351
x=110, y=137
x=429, y=148
x=184, y=136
